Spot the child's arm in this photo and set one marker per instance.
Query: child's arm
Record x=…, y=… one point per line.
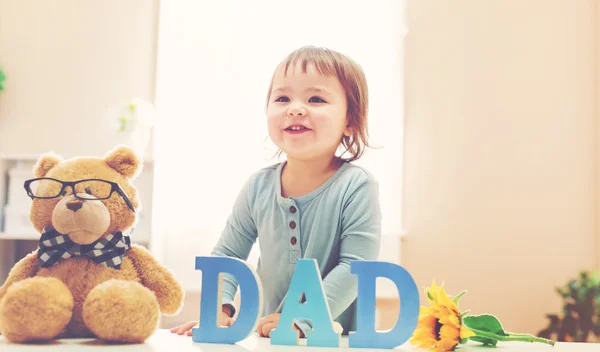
x=237, y=239
x=360, y=240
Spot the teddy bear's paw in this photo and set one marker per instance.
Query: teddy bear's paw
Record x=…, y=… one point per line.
x=35, y=309
x=121, y=311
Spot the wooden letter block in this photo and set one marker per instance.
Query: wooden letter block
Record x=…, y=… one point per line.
x=306, y=281
x=213, y=269
x=365, y=335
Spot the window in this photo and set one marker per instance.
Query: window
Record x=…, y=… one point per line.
x=215, y=61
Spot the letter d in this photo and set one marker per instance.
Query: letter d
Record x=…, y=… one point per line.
x=365, y=335
x=210, y=301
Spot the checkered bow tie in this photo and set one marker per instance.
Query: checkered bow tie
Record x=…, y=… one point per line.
x=109, y=250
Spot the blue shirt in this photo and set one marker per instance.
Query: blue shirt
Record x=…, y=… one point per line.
x=338, y=222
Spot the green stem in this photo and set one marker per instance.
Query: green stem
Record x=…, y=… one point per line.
x=512, y=337
x=458, y=296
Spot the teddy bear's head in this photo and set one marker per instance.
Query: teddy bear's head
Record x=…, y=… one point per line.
x=86, y=197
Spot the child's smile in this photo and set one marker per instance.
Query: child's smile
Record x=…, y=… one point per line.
x=297, y=129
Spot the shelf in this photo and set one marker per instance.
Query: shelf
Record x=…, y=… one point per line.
x=9, y=236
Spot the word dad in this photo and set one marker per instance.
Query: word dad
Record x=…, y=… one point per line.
x=306, y=280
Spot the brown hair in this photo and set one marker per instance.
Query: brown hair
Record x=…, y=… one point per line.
x=352, y=78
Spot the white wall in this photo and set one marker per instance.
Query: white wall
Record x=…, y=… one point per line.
x=67, y=63
x=500, y=174
x=597, y=97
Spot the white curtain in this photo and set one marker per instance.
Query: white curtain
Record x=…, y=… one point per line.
x=215, y=61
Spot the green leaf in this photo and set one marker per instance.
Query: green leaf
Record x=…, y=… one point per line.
x=2, y=78
x=483, y=340
x=485, y=323
x=430, y=297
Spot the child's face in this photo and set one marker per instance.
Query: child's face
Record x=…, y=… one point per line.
x=307, y=113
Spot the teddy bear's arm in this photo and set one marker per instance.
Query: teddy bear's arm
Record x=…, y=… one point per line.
x=25, y=268
x=158, y=279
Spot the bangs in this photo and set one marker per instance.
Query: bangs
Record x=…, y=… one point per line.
x=322, y=60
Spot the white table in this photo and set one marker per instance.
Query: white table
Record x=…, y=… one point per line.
x=164, y=340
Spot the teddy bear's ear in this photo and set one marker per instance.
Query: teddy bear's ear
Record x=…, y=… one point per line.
x=46, y=162
x=124, y=160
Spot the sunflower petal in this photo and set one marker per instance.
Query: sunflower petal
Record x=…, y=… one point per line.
x=423, y=333
x=454, y=320
x=427, y=311
x=443, y=311
x=449, y=331
x=427, y=320
x=424, y=343
x=433, y=312
x=447, y=344
x=465, y=332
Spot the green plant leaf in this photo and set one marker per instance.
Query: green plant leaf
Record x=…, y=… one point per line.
x=485, y=323
x=2, y=78
x=483, y=340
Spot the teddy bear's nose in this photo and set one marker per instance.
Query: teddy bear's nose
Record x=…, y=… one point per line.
x=74, y=204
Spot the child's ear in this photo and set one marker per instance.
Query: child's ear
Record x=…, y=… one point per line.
x=348, y=131
x=124, y=160
x=45, y=163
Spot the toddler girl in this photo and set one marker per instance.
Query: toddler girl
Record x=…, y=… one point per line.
x=316, y=204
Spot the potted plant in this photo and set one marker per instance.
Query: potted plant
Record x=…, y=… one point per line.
x=580, y=318
x=2, y=79
x=133, y=123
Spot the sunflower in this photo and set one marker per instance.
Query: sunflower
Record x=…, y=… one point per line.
x=439, y=326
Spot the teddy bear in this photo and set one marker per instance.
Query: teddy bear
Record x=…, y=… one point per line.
x=86, y=279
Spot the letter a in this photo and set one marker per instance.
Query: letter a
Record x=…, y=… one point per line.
x=307, y=281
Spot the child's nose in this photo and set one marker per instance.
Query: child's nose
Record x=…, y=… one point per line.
x=296, y=111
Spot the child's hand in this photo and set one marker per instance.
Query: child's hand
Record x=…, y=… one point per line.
x=268, y=323
x=224, y=320
x=184, y=328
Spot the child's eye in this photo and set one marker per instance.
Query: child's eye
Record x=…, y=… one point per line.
x=316, y=100
x=282, y=99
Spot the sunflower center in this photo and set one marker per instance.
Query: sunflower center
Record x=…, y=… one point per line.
x=438, y=327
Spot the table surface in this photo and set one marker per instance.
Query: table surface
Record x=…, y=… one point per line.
x=164, y=340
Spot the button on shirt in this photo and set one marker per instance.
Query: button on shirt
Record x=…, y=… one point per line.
x=338, y=222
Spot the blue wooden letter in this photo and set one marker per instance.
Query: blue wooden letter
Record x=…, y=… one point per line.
x=307, y=280
x=365, y=335
x=210, y=301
